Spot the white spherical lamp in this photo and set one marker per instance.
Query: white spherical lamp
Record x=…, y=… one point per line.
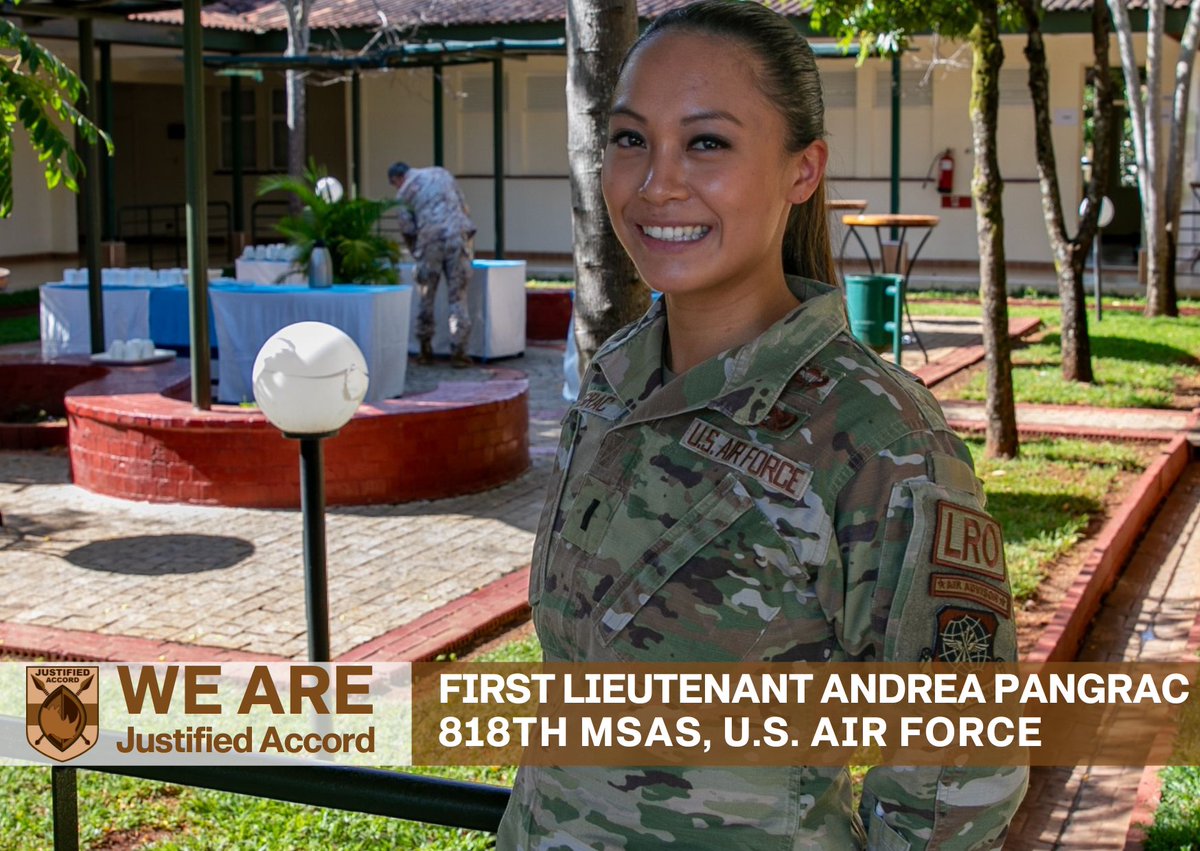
x=1107, y=211
x=330, y=189
x=309, y=378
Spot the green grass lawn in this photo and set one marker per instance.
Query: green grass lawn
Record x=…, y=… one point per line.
x=19, y=329
x=1044, y=499
x=1176, y=824
x=1138, y=362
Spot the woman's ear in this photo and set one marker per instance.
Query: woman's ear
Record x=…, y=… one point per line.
x=809, y=169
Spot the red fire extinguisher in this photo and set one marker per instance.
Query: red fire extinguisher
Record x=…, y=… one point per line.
x=945, y=181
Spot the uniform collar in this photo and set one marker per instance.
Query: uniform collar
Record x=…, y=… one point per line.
x=744, y=382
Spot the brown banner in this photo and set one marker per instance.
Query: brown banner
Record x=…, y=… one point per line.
x=782, y=714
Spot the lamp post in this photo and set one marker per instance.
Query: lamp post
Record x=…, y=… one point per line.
x=1103, y=221
x=309, y=379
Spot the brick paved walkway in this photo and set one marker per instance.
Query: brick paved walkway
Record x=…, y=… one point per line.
x=1146, y=618
x=232, y=578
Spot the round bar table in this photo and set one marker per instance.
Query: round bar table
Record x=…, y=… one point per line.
x=902, y=222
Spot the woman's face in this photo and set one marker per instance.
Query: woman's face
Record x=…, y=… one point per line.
x=697, y=177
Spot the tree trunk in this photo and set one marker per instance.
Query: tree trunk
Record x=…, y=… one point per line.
x=297, y=101
x=988, y=188
x=1174, y=176
x=608, y=294
x=1070, y=255
x=1145, y=114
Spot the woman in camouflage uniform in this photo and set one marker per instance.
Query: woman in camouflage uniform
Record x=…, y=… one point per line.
x=741, y=480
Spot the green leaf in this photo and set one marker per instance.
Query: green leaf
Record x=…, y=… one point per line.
x=40, y=91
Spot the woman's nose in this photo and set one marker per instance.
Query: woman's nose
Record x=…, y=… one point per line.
x=664, y=181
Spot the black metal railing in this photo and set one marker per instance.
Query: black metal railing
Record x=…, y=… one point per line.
x=162, y=229
x=371, y=791
x=265, y=213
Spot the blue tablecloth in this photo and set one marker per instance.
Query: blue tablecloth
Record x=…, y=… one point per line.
x=375, y=317
x=65, y=322
x=169, y=318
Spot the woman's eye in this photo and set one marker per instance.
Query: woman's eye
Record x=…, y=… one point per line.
x=709, y=143
x=626, y=139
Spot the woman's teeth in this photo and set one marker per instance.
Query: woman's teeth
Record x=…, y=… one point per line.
x=689, y=233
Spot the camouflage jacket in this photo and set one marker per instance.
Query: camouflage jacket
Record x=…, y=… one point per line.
x=792, y=499
x=432, y=207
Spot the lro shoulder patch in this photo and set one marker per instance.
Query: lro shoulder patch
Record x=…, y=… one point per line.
x=968, y=540
x=772, y=470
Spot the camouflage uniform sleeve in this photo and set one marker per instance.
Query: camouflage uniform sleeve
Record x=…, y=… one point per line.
x=925, y=579
x=404, y=212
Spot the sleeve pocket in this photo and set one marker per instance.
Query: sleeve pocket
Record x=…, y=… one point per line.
x=713, y=514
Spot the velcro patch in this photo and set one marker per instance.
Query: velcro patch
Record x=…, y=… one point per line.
x=965, y=588
x=968, y=540
x=604, y=405
x=770, y=469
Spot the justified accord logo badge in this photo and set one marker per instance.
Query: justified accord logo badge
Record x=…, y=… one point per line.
x=62, y=719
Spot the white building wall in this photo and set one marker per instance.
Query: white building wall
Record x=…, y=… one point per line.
x=43, y=221
x=397, y=114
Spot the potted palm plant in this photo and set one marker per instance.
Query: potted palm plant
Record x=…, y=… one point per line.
x=348, y=227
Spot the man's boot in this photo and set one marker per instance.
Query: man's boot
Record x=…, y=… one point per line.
x=459, y=359
x=426, y=356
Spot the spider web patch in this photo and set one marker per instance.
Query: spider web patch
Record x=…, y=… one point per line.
x=965, y=636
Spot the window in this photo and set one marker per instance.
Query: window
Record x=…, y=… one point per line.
x=249, y=141
x=840, y=89
x=546, y=93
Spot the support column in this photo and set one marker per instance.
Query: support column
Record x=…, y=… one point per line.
x=439, y=117
x=356, y=175
x=92, y=215
x=112, y=251
x=197, y=205
x=237, y=165
x=894, y=206
x=498, y=152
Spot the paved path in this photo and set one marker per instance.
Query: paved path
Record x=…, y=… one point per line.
x=1146, y=618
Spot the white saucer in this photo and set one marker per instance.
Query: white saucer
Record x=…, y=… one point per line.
x=159, y=356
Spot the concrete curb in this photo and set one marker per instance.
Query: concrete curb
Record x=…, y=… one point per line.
x=451, y=627
x=77, y=645
x=1061, y=639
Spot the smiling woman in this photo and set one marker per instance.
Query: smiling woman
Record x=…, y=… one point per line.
x=742, y=481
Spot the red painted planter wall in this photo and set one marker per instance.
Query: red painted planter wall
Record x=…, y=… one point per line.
x=547, y=314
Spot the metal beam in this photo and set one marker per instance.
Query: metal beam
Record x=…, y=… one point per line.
x=197, y=206
x=90, y=154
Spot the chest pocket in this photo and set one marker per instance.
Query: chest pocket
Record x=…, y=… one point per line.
x=703, y=591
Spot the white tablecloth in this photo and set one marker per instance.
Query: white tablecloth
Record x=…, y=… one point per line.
x=65, y=323
x=496, y=301
x=376, y=318
x=268, y=272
